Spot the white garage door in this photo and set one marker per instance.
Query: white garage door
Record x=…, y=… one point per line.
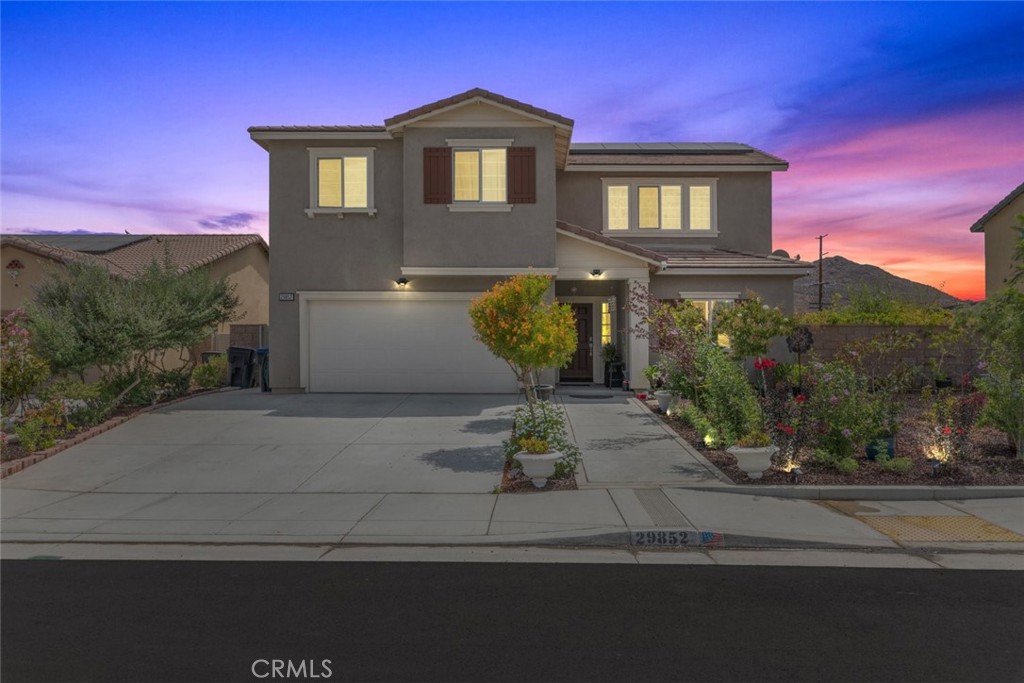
x=416, y=345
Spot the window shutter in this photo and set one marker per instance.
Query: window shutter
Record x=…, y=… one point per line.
x=522, y=175
x=437, y=175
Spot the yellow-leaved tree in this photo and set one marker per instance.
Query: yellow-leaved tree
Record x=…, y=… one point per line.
x=519, y=326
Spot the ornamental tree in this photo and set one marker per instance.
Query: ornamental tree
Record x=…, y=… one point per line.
x=751, y=326
x=515, y=322
x=84, y=317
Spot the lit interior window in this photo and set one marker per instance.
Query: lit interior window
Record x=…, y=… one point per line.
x=700, y=207
x=606, y=323
x=648, y=206
x=329, y=182
x=618, y=207
x=467, y=175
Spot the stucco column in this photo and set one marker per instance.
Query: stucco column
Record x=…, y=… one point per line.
x=638, y=356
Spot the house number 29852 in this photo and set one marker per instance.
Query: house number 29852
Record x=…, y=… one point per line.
x=663, y=537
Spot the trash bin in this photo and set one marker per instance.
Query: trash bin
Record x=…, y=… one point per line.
x=240, y=366
x=263, y=356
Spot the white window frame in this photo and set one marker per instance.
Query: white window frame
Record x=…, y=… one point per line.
x=479, y=145
x=318, y=153
x=634, y=185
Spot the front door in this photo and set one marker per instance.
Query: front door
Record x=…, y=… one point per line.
x=581, y=367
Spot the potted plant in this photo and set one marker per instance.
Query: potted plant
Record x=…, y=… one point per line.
x=656, y=378
x=537, y=460
x=610, y=354
x=754, y=453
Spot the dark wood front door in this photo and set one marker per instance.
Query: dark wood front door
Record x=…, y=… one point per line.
x=581, y=367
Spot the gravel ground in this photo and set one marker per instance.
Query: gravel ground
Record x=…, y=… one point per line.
x=991, y=461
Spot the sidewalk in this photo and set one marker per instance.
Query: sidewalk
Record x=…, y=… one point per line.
x=156, y=488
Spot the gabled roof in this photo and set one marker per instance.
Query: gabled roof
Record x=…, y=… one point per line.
x=186, y=252
x=651, y=257
x=469, y=96
x=1003, y=203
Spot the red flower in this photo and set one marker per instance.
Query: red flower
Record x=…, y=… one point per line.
x=786, y=429
x=961, y=430
x=947, y=430
x=764, y=364
x=799, y=398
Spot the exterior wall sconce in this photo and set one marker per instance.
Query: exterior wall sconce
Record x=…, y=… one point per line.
x=402, y=281
x=596, y=272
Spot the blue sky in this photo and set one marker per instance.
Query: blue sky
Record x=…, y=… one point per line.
x=902, y=122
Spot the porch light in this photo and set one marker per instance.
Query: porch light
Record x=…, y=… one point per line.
x=596, y=272
x=402, y=281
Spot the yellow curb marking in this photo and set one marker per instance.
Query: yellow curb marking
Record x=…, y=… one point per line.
x=939, y=528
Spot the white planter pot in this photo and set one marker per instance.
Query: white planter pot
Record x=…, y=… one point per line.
x=753, y=461
x=538, y=466
x=664, y=400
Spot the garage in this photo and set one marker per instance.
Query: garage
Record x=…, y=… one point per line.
x=405, y=342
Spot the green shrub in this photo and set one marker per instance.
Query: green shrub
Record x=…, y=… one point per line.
x=212, y=374
x=170, y=384
x=84, y=404
x=871, y=306
x=692, y=416
x=42, y=427
x=841, y=464
x=897, y=465
x=32, y=436
x=724, y=395
x=846, y=465
x=22, y=370
x=847, y=415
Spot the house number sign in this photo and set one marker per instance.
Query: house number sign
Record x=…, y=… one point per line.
x=286, y=296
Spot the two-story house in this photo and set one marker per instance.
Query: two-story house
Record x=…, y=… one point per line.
x=382, y=235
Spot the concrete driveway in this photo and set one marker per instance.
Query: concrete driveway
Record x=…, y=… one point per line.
x=245, y=466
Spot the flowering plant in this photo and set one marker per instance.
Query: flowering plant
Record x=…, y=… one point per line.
x=844, y=414
x=955, y=417
x=22, y=370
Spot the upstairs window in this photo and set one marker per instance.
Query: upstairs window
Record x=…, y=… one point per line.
x=340, y=181
x=479, y=175
x=645, y=205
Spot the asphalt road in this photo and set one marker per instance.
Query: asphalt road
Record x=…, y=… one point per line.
x=223, y=621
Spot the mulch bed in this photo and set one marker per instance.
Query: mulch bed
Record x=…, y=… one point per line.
x=517, y=482
x=991, y=461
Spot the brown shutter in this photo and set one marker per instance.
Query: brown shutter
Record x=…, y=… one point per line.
x=437, y=175
x=522, y=175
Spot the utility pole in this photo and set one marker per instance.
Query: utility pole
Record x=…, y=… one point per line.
x=821, y=258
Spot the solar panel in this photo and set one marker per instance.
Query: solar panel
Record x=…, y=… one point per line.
x=89, y=244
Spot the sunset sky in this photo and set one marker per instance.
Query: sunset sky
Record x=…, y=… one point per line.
x=902, y=123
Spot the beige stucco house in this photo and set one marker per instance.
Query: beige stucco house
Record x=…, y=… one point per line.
x=242, y=259
x=1000, y=238
x=383, y=234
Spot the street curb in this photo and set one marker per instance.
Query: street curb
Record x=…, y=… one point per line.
x=867, y=493
x=15, y=466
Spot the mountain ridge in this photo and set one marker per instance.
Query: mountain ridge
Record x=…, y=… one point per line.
x=841, y=276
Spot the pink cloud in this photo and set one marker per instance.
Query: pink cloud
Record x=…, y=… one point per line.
x=904, y=197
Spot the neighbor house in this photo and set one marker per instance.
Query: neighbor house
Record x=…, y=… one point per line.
x=1001, y=239
x=242, y=259
x=383, y=234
